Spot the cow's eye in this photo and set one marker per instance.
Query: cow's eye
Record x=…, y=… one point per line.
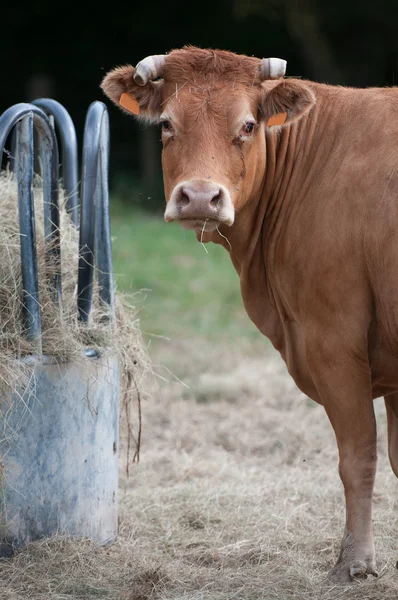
x=246, y=131
x=248, y=128
x=165, y=125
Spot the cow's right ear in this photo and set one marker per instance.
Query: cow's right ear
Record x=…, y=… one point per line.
x=143, y=101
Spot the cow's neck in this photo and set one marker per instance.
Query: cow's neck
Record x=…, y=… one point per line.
x=258, y=226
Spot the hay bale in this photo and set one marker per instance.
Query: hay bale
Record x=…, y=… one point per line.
x=64, y=337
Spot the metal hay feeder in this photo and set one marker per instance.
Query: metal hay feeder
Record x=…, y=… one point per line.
x=59, y=443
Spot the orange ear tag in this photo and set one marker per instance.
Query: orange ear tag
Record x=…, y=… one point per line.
x=278, y=119
x=129, y=103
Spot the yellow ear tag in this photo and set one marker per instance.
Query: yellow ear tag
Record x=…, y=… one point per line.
x=129, y=103
x=278, y=119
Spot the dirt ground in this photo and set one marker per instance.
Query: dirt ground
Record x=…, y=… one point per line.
x=236, y=496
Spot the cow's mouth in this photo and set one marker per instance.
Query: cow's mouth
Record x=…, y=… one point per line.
x=199, y=224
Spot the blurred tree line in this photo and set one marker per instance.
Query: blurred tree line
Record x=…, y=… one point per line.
x=64, y=49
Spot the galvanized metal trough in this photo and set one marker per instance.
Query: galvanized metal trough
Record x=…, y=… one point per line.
x=59, y=441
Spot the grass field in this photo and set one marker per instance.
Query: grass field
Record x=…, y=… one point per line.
x=185, y=291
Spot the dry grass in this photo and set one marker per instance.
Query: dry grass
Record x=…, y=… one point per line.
x=64, y=337
x=236, y=497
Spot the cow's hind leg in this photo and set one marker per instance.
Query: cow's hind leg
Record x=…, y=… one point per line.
x=342, y=377
x=392, y=422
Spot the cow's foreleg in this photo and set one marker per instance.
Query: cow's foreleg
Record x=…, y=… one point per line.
x=343, y=382
x=392, y=421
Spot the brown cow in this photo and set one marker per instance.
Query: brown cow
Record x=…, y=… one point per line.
x=299, y=182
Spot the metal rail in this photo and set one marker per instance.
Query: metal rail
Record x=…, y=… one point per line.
x=26, y=118
x=95, y=249
x=95, y=235
x=67, y=134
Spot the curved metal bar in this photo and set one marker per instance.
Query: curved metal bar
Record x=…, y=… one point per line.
x=95, y=238
x=25, y=160
x=13, y=150
x=22, y=117
x=8, y=119
x=103, y=246
x=68, y=138
x=27, y=116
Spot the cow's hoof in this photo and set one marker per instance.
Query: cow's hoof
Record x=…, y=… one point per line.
x=344, y=572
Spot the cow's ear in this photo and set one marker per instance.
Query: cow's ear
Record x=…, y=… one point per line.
x=286, y=101
x=144, y=102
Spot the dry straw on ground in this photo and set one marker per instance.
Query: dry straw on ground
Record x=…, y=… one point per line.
x=64, y=337
x=236, y=497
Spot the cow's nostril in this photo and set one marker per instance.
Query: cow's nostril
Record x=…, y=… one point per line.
x=184, y=199
x=214, y=201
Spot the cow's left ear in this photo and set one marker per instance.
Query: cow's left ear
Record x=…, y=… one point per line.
x=286, y=101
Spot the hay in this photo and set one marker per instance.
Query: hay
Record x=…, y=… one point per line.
x=234, y=499
x=64, y=337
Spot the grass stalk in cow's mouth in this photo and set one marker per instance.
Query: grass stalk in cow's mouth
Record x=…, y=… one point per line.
x=201, y=238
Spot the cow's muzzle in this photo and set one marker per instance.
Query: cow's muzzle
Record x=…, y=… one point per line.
x=200, y=205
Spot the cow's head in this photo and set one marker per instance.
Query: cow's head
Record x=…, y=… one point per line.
x=213, y=108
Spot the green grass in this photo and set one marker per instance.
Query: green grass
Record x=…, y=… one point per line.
x=185, y=291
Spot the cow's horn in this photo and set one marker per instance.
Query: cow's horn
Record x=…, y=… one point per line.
x=149, y=68
x=272, y=68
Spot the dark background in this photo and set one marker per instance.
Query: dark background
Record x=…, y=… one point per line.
x=63, y=50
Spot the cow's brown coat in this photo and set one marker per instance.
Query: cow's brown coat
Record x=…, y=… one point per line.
x=314, y=241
